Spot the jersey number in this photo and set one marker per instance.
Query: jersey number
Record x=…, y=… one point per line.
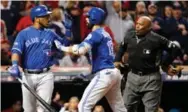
x=110, y=48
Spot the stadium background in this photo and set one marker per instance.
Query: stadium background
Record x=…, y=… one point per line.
x=170, y=19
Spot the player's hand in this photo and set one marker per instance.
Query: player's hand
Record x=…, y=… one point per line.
x=14, y=71
x=75, y=49
x=174, y=70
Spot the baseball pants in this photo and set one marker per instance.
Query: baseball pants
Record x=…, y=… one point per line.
x=146, y=88
x=43, y=84
x=105, y=83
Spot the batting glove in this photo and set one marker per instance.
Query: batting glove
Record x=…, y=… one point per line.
x=14, y=71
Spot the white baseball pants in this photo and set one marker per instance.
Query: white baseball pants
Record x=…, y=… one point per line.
x=105, y=83
x=43, y=84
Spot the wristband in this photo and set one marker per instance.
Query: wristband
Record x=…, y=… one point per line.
x=14, y=62
x=65, y=49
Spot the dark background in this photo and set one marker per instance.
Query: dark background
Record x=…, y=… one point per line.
x=174, y=94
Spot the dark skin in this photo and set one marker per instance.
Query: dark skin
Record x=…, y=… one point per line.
x=143, y=26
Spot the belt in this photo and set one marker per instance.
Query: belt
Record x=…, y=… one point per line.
x=36, y=71
x=141, y=73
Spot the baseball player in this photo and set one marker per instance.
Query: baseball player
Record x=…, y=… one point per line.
x=107, y=79
x=34, y=46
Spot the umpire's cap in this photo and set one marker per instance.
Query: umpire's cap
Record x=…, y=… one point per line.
x=39, y=11
x=96, y=15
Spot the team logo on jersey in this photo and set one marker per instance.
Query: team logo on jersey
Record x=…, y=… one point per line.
x=48, y=42
x=48, y=52
x=146, y=51
x=31, y=41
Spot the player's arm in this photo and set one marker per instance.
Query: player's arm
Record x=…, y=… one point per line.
x=15, y=58
x=16, y=50
x=82, y=48
x=79, y=49
x=63, y=40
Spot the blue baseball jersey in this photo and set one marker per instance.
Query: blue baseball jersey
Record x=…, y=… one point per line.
x=101, y=49
x=36, y=47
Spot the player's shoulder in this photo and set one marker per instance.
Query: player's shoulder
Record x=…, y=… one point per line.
x=99, y=32
x=25, y=30
x=93, y=34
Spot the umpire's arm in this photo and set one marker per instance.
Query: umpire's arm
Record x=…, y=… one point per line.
x=173, y=49
x=120, y=53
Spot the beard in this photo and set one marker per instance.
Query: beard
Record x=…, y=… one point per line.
x=90, y=26
x=42, y=25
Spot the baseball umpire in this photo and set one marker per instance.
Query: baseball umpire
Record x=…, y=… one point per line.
x=34, y=48
x=144, y=81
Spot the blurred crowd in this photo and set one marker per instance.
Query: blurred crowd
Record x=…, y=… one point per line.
x=170, y=19
x=71, y=105
x=58, y=103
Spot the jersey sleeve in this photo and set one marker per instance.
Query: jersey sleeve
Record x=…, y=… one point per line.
x=63, y=40
x=92, y=39
x=172, y=49
x=18, y=45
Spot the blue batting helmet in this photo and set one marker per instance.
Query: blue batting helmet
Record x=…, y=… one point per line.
x=96, y=15
x=39, y=11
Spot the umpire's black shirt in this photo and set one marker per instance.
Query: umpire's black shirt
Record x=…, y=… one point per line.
x=144, y=51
